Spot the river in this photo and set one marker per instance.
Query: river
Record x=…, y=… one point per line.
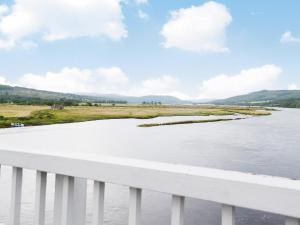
x=262, y=145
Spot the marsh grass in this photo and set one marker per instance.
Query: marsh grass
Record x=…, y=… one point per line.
x=186, y=122
x=42, y=115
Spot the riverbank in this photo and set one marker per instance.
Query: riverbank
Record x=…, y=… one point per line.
x=43, y=115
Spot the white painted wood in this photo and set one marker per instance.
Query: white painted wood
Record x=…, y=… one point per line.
x=98, y=203
x=135, y=200
x=177, y=213
x=58, y=199
x=67, y=201
x=228, y=215
x=292, y=221
x=64, y=200
x=79, y=206
x=16, y=194
x=226, y=187
x=40, y=198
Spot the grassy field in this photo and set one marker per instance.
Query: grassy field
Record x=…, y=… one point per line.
x=19, y=110
x=43, y=115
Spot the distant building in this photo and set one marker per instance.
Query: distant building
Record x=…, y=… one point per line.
x=57, y=107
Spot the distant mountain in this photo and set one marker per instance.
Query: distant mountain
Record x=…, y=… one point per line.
x=279, y=98
x=164, y=99
x=23, y=95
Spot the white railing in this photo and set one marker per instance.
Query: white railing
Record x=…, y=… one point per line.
x=231, y=189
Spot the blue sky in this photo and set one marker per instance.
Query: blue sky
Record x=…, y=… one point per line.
x=134, y=58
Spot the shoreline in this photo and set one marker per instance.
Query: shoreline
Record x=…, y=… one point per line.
x=92, y=113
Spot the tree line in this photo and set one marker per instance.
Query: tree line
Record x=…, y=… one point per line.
x=20, y=100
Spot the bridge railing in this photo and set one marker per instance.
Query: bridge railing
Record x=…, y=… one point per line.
x=230, y=189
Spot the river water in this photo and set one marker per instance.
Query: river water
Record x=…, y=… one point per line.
x=263, y=145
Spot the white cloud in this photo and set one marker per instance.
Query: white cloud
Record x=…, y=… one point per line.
x=141, y=1
x=143, y=15
x=3, y=81
x=7, y=44
x=292, y=87
x=164, y=85
x=3, y=9
x=28, y=44
x=287, y=37
x=101, y=81
x=75, y=80
x=61, y=19
x=254, y=79
x=114, y=80
x=198, y=28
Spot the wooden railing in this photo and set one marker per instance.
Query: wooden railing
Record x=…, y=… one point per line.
x=231, y=189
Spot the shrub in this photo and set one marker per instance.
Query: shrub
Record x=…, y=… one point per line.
x=42, y=115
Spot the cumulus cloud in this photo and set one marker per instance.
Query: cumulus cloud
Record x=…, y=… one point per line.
x=249, y=80
x=102, y=81
x=143, y=15
x=113, y=80
x=287, y=37
x=61, y=19
x=198, y=28
x=141, y=1
x=292, y=87
x=7, y=44
x=75, y=80
x=164, y=85
x=3, y=9
x=3, y=81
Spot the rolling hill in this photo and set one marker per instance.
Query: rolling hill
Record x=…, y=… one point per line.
x=21, y=95
x=278, y=98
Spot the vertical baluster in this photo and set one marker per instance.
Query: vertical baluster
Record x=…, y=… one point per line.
x=67, y=201
x=135, y=200
x=63, y=202
x=16, y=195
x=80, y=192
x=292, y=221
x=98, y=203
x=40, y=198
x=177, y=210
x=58, y=199
x=228, y=215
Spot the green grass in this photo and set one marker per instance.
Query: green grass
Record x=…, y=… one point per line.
x=42, y=115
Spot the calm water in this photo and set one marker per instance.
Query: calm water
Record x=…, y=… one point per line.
x=264, y=145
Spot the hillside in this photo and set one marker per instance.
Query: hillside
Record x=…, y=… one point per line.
x=279, y=98
x=21, y=95
x=165, y=99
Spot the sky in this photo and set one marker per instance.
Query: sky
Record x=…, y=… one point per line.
x=191, y=49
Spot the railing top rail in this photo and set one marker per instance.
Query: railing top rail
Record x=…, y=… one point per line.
x=266, y=193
